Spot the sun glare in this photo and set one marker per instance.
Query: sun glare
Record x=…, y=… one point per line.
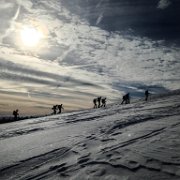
x=30, y=36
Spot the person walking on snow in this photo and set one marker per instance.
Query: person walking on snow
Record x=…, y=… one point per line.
x=146, y=95
x=95, y=103
x=16, y=114
x=60, y=108
x=126, y=99
x=103, y=100
x=54, y=108
x=99, y=101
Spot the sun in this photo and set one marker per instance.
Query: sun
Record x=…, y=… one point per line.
x=30, y=36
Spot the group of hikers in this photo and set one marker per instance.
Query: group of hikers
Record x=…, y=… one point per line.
x=57, y=109
x=99, y=102
x=126, y=97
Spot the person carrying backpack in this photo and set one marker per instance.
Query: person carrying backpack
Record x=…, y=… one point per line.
x=99, y=101
x=103, y=101
x=60, y=108
x=126, y=99
x=16, y=114
x=54, y=108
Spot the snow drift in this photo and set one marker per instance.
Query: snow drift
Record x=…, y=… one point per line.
x=128, y=142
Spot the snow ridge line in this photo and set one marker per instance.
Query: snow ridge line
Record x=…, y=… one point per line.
x=123, y=166
x=131, y=141
x=19, y=133
x=49, y=155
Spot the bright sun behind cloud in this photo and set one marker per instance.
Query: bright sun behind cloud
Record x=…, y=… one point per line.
x=30, y=36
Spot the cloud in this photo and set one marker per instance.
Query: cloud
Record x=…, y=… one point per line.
x=163, y=4
x=8, y=13
x=77, y=61
x=5, y=5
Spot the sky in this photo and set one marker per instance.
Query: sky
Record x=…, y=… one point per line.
x=64, y=51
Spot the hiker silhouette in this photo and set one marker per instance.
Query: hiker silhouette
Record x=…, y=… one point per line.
x=16, y=114
x=99, y=101
x=126, y=99
x=146, y=95
x=103, y=100
x=54, y=108
x=95, y=103
x=60, y=107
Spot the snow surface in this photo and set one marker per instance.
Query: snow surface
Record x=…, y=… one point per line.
x=120, y=142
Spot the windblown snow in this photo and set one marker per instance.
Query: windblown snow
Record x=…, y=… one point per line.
x=139, y=141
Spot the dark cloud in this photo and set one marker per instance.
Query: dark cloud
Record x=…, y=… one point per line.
x=138, y=17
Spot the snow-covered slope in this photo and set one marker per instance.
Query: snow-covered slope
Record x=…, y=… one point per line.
x=128, y=142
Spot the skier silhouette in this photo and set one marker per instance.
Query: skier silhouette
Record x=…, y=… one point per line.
x=60, y=107
x=95, y=103
x=16, y=114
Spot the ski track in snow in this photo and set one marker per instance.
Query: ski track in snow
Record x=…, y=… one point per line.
x=129, y=142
